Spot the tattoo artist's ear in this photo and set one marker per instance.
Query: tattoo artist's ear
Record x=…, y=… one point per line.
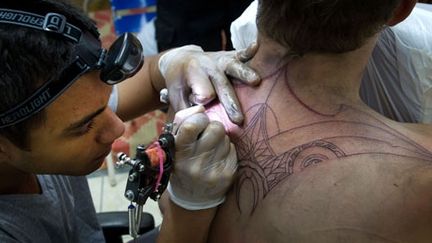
x=5, y=150
x=402, y=11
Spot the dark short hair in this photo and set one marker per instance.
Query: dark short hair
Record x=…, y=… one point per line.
x=30, y=57
x=324, y=26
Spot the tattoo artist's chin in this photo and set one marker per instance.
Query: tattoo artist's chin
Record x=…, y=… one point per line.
x=89, y=166
x=98, y=161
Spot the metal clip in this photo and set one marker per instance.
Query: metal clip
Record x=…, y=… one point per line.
x=54, y=22
x=168, y=128
x=123, y=159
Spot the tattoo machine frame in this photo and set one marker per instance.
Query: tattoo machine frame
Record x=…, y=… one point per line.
x=149, y=175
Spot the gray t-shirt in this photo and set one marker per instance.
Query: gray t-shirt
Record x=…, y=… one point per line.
x=63, y=212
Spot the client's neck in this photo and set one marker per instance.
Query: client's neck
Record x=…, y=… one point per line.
x=324, y=80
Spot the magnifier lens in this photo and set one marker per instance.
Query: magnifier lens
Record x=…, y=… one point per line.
x=133, y=58
x=124, y=59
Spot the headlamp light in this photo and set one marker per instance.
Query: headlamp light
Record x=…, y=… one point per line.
x=123, y=60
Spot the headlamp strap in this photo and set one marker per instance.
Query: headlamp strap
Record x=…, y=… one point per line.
x=43, y=96
x=51, y=22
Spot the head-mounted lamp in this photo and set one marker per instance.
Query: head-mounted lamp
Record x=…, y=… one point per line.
x=121, y=61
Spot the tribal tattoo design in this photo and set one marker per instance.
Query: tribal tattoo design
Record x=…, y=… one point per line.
x=263, y=166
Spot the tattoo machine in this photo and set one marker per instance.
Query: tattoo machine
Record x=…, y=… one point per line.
x=149, y=174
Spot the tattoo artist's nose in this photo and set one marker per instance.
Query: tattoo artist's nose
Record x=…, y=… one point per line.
x=112, y=128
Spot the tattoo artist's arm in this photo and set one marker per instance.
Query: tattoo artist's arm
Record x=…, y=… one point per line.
x=184, y=226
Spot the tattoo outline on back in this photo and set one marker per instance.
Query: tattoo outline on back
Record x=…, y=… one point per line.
x=264, y=168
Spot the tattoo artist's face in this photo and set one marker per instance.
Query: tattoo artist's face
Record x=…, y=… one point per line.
x=78, y=132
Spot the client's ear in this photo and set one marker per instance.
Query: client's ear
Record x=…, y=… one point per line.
x=402, y=11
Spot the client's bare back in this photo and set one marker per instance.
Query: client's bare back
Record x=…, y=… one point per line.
x=306, y=176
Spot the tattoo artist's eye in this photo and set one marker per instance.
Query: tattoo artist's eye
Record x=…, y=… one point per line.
x=86, y=128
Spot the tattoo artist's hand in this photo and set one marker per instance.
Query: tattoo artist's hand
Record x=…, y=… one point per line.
x=205, y=161
x=193, y=76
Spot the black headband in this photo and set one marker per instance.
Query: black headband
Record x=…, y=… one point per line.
x=123, y=60
x=84, y=61
x=51, y=22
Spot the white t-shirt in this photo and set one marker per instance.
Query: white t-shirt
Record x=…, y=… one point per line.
x=398, y=79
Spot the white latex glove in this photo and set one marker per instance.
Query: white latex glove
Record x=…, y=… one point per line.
x=205, y=161
x=193, y=76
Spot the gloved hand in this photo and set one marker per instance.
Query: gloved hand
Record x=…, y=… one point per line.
x=193, y=76
x=205, y=161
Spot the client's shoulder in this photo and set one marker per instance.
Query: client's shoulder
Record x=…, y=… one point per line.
x=419, y=132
